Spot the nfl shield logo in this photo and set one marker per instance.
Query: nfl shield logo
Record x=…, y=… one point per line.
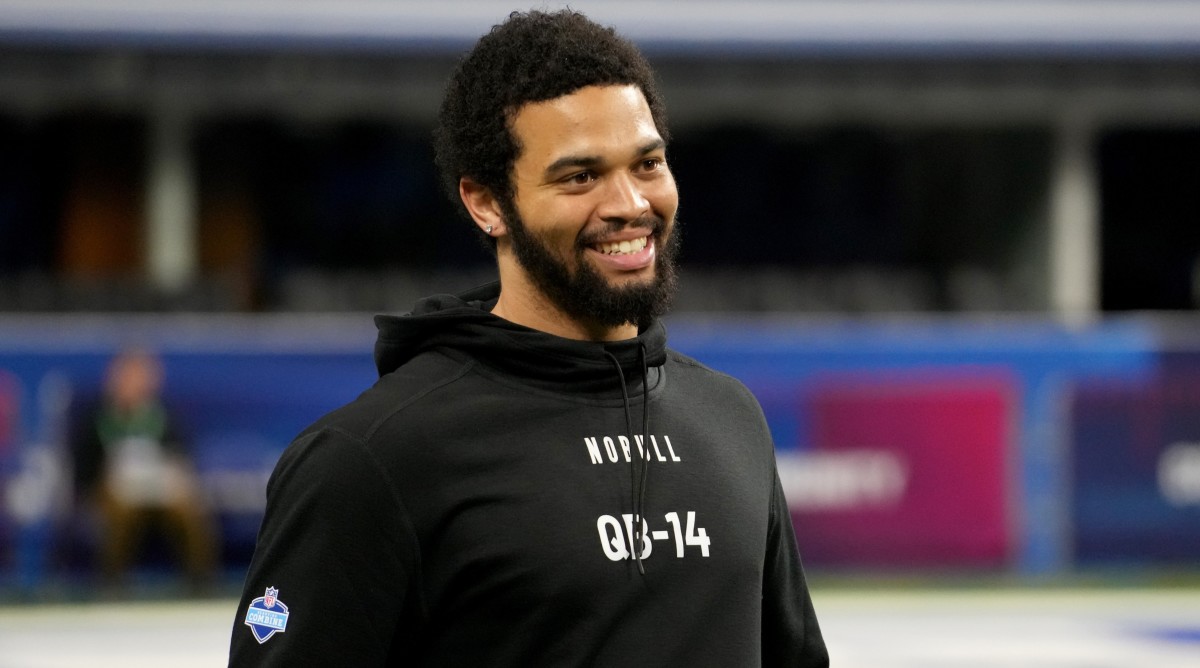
x=267, y=615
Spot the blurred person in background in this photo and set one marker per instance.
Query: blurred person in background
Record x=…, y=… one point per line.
x=536, y=478
x=132, y=464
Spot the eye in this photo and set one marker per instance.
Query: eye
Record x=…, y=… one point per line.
x=580, y=178
x=652, y=164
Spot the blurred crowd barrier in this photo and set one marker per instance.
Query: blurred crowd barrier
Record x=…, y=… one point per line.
x=935, y=444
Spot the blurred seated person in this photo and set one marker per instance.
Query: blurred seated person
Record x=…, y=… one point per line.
x=133, y=466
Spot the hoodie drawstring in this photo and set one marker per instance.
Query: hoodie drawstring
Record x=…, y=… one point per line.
x=640, y=510
x=637, y=479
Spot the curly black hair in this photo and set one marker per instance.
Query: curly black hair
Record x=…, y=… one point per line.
x=531, y=57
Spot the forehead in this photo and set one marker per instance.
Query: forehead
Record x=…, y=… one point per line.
x=595, y=120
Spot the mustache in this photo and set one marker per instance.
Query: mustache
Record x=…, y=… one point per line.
x=650, y=222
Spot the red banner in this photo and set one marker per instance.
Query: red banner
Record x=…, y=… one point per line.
x=909, y=471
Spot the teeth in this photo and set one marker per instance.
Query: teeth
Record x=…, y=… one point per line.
x=622, y=246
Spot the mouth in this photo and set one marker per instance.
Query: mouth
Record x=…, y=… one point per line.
x=624, y=247
x=625, y=255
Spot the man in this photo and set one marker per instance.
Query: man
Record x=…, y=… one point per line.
x=131, y=462
x=536, y=479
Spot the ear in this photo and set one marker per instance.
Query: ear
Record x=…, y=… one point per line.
x=483, y=207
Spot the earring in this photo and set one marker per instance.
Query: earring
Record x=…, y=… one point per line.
x=489, y=229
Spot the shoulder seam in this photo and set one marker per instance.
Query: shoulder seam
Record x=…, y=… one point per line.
x=370, y=433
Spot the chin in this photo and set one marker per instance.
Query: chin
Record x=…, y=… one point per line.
x=640, y=278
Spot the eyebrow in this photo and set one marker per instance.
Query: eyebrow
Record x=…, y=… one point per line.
x=591, y=161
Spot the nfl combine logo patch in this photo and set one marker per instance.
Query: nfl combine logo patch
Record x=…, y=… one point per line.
x=267, y=615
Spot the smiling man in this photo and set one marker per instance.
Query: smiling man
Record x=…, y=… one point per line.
x=585, y=245
x=537, y=479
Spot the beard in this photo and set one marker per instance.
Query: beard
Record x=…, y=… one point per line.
x=584, y=294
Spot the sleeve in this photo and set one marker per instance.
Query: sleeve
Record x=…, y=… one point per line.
x=791, y=635
x=334, y=554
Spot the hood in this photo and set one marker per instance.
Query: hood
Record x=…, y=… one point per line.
x=464, y=323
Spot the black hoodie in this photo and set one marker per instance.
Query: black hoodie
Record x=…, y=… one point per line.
x=477, y=506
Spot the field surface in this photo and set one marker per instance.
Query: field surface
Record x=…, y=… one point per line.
x=908, y=628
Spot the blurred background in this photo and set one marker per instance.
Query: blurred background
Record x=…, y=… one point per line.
x=953, y=246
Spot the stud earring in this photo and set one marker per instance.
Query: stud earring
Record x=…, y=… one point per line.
x=489, y=229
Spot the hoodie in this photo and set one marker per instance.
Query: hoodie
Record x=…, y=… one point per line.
x=505, y=497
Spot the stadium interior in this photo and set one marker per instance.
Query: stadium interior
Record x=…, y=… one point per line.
x=952, y=246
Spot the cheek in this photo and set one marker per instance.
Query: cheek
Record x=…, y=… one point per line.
x=664, y=197
x=557, y=225
x=553, y=242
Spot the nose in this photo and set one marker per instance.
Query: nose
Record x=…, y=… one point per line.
x=623, y=199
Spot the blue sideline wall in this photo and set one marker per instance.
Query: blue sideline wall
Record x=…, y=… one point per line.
x=244, y=385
